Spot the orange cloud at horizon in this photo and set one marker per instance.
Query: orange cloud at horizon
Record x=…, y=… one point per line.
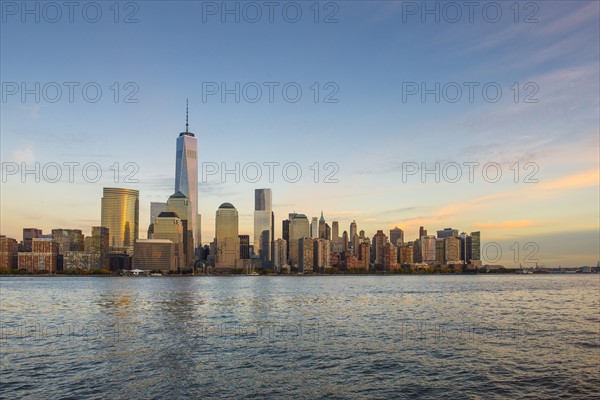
x=579, y=180
x=505, y=225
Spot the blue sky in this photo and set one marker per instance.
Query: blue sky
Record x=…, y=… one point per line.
x=374, y=49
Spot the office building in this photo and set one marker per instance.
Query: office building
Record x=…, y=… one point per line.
x=321, y=249
x=440, y=252
x=155, y=255
x=299, y=228
x=353, y=229
x=447, y=232
x=227, y=237
x=98, y=246
x=285, y=234
x=168, y=226
x=322, y=227
x=280, y=257
x=451, y=249
x=120, y=214
x=179, y=204
x=186, y=176
x=244, y=246
x=263, y=224
x=305, y=254
x=475, y=246
x=314, y=228
x=427, y=244
x=396, y=236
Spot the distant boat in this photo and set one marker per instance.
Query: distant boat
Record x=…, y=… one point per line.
x=253, y=274
x=155, y=274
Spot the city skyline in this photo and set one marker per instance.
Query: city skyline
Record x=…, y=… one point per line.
x=370, y=135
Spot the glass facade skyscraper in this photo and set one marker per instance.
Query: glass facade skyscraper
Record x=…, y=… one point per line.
x=263, y=224
x=227, y=236
x=186, y=174
x=121, y=215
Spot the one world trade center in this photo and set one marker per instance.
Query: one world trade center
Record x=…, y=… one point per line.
x=186, y=174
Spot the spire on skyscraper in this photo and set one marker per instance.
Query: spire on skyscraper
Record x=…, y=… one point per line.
x=187, y=126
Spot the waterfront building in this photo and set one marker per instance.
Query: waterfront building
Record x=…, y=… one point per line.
x=9, y=253
x=155, y=255
x=43, y=257
x=228, y=240
x=168, y=226
x=120, y=214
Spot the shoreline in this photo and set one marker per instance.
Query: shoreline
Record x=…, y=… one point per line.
x=280, y=275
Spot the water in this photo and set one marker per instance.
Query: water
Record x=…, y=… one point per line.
x=301, y=337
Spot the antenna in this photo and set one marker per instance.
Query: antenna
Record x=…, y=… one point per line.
x=187, y=125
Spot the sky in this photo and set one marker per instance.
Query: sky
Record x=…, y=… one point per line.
x=501, y=101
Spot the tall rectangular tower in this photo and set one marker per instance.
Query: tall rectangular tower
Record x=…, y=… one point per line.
x=263, y=226
x=186, y=173
x=121, y=215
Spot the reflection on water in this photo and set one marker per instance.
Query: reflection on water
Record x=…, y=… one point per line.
x=344, y=337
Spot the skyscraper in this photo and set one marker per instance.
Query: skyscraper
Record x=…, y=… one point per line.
x=97, y=246
x=379, y=241
x=474, y=246
x=186, y=174
x=121, y=215
x=451, y=249
x=314, y=228
x=428, y=249
x=447, y=232
x=353, y=230
x=285, y=234
x=228, y=240
x=280, y=258
x=263, y=227
x=168, y=226
x=322, y=227
x=299, y=229
x=345, y=242
x=335, y=230
x=244, y=247
x=396, y=236
x=179, y=204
